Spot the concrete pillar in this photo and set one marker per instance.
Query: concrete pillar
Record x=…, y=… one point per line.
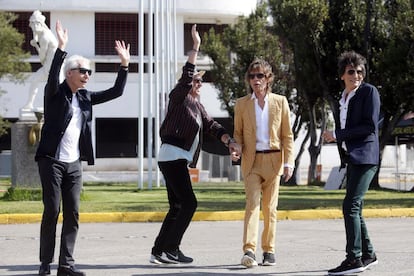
x=24, y=168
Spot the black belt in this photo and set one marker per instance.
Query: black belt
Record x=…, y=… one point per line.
x=267, y=151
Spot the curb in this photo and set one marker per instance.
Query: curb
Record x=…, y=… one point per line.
x=208, y=216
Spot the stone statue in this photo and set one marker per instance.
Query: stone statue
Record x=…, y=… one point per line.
x=45, y=43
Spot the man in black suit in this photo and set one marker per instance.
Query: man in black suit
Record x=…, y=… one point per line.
x=356, y=134
x=66, y=141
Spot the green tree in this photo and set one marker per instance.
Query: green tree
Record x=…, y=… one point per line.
x=383, y=32
x=394, y=66
x=233, y=51
x=318, y=31
x=300, y=23
x=11, y=56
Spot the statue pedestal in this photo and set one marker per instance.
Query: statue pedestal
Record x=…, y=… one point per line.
x=24, y=168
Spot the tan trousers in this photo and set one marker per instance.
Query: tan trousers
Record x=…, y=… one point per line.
x=262, y=182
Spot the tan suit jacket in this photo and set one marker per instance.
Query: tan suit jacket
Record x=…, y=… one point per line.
x=281, y=136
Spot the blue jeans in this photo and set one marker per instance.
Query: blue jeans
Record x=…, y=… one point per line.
x=359, y=178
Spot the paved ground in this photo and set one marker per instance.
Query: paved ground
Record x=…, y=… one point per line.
x=304, y=248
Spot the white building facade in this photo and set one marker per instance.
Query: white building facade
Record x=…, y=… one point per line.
x=160, y=41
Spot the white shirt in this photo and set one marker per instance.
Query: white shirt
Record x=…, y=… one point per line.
x=69, y=145
x=262, y=124
x=343, y=109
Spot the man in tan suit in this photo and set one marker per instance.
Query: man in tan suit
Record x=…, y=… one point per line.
x=262, y=127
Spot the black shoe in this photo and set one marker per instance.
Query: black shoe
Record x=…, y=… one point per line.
x=160, y=258
x=44, y=269
x=249, y=259
x=347, y=267
x=175, y=257
x=69, y=271
x=268, y=259
x=369, y=261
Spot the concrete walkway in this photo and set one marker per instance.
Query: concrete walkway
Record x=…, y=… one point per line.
x=304, y=248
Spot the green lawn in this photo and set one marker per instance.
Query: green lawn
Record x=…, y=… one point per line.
x=104, y=197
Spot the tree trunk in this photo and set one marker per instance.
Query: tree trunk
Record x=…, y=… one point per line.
x=294, y=181
x=315, y=145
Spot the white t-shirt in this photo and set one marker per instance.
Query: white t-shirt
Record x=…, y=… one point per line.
x=69, y=145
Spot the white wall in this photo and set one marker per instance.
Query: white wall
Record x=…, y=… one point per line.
x=78, y=17
x=220, y=8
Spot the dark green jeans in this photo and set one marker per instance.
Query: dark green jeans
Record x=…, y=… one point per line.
x=359, y=178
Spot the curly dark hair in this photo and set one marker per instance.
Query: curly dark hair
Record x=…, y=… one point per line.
x=351, y=58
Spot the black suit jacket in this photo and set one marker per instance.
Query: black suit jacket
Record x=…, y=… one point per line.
x=361, y=130
x=58, y=111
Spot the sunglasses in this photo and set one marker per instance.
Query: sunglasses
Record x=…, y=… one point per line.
x=198, y=80
x=82, y=70
x=258, y=75
x=352, y=71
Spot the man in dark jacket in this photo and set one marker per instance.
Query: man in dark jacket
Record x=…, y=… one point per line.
x=356, y=134
x=65, y=142
x=181, y=135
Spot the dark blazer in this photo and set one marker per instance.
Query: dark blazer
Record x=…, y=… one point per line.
x=58, y=111
x=361, y=131
x=180, y=126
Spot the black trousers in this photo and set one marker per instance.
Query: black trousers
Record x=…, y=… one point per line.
x=183, y=204
x=60, y=182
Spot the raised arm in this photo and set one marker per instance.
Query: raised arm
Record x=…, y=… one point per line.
x=192, y=57
x=62, y=35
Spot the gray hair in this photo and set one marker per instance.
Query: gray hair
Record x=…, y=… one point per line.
x=74, y=62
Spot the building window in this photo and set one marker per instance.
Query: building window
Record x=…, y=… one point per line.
x=114, y=67
x=115, y=26
x=202, y=29
x=118, y=138
x=22, y=25
x=5, y=140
